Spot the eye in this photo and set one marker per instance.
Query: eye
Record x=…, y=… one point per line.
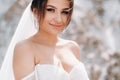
x=66, y=12
x=50, y=10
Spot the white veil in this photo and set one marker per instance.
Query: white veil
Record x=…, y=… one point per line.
x=25, y=29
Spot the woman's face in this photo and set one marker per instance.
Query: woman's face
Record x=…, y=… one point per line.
x=56, y=15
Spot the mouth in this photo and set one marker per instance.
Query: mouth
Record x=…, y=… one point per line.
x=56, y=25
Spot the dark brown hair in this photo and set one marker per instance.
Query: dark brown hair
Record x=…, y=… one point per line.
x=40, y=5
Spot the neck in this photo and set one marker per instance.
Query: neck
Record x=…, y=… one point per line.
x=46, y=39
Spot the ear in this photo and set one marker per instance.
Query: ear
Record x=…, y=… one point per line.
x=35, y=12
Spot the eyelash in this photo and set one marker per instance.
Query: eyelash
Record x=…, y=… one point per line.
x=50, y=10
x=63, y=12
x=66, y=12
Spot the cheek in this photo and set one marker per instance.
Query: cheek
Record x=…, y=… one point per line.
x=49, y=16
x=65, y=20
x=46, y=19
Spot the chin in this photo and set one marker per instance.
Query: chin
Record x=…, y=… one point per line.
x=56, y=32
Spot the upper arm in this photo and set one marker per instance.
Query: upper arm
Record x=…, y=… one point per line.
x=23, y=61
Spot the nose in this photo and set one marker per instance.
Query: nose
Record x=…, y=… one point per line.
x=58, y=18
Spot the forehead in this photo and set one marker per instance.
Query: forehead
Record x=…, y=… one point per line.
x=59, y=3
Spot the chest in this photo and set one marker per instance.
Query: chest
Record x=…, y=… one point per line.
x=64, y=56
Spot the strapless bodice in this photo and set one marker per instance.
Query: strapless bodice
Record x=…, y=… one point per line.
x=52, y=72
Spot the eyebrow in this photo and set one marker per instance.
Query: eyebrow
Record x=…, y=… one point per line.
x=51, y=6
x=67, y=9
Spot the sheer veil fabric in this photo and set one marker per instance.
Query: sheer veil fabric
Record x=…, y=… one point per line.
x=25, y=29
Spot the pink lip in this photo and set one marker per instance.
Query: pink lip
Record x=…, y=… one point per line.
x=56, y=25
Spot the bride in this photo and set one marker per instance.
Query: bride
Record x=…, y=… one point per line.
x=37, y=52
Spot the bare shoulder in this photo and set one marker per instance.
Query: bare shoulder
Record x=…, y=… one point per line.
x=23, y=61
x=74, y=47
x=73, y=44
x=23, y=48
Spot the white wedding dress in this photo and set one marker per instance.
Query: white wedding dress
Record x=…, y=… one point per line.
x=53, y=72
